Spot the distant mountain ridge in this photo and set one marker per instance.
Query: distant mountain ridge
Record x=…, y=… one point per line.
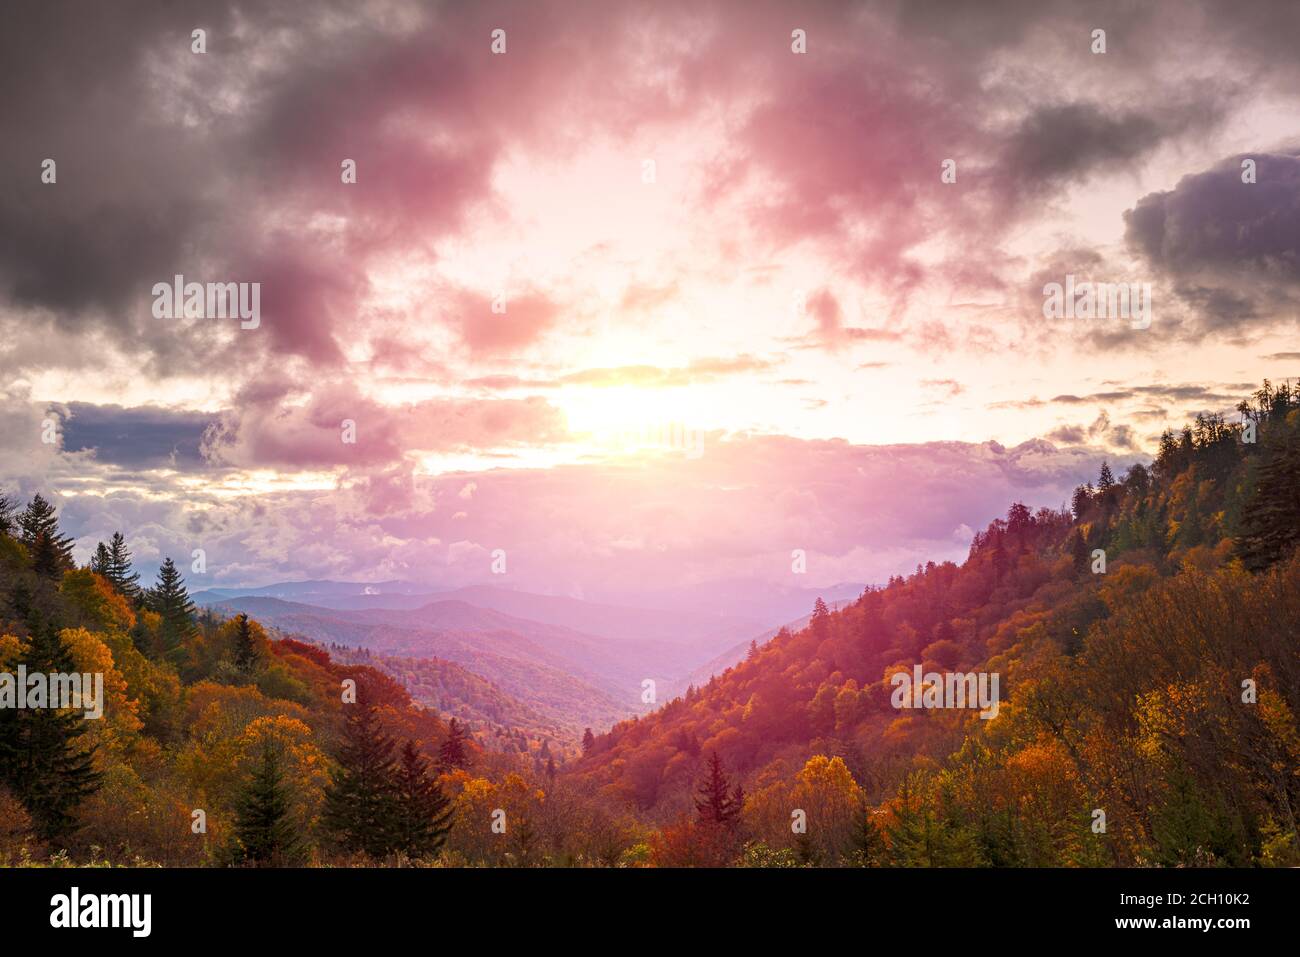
x=579, y=663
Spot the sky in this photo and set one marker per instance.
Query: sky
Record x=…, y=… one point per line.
x=641, y=295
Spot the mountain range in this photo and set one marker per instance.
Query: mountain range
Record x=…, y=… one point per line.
x=567, y=663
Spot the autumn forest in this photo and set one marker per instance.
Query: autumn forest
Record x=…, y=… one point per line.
x=1144, y=636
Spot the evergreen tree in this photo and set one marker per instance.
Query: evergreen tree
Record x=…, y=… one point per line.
x=423, y=812
x=361, y=806
x=42, y=762
x=99, y=560
x=172, y=603
x=753, y=650
x=717, y=804
x=920, y=836
x=1105, y=479
x=247, y=654
x=1079, y=552
x=264, y=833
x=1168, y=461
x=50, y=552
x=588, y=741
x=1079, y=502
x=806, y=852
x=119, y=568
x=453, y=753
x=1138, y=479
x=7, y=523
x=869, y=848
x=821, y=620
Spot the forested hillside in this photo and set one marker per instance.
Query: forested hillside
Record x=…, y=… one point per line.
x=1122, y=689
x=1145, y=640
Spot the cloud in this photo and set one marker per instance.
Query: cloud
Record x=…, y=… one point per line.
x=1057, y=143
x=708, y=369
x=737, y=511
x=312, y=434
x=1230, y=249
x=141, y=437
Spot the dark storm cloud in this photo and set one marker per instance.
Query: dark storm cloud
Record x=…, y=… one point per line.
x=220, y=164
x=1061, y=142
x=1231, y=248
x=205, y=165
x=141, y=437
x=131, y=192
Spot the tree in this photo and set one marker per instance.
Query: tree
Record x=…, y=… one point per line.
x=1080, y=501
x=1270, y=528
x=361, y=807
x=1105, y=479
x=588, y=741
x=50, y=552
x=119, y=568
x=172, y=603
x=423, y=817
x=99, y=561
x=264, y=833
x=868, y=844
x=1079, y=554
x=716, y=804
x=1138, y=479
x=42, y=760
x=247, y=653
x=453, y=753
x=7, y=524
x=821, y=620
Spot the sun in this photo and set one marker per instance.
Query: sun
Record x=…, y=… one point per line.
x=628, y=420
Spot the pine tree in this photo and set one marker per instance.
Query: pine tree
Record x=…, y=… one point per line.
x=588, y=741
x=753, y=650
x=717, y=805
x=821, y=620
x=869, y=848
x=264, y=833
x=99, y=561
x=423, y=811
x=1079, y=552
x=247, y=654
x=119, y=568
x=50, y=552
x=41, y=760
x=805, y=852
x=8, y=525
x=172, y=603
x=361, y=807
x=1079, y=502
x=453, y=753
x=1105, y=479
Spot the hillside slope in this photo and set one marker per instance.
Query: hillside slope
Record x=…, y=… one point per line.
x=566, y=695
x=1146, y=651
